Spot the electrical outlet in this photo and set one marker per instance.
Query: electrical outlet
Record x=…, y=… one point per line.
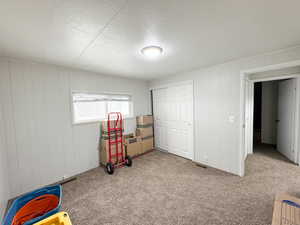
x=231, y=119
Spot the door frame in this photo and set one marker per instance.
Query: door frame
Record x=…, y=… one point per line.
x=247, y=109
x=180, y=83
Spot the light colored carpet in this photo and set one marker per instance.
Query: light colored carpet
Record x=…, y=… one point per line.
x=163, y=189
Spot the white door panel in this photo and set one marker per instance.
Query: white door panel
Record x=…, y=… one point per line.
x=286, y=114
x=157, y=131
x=173, y=117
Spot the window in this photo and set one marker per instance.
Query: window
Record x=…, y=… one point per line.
x=95, y=107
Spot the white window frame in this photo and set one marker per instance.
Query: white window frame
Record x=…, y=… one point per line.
x=131, y=107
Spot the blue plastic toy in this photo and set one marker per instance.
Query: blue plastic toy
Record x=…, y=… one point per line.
x=21, y=201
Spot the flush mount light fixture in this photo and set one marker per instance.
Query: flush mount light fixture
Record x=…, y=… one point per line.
x=152, y=52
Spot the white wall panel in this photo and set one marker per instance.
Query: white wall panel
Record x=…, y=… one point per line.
x=43, y=145
x=4, y=173
x=85, y=140
x=217, y=107
x=4, y=181
x=39, y=116
x=6, y=138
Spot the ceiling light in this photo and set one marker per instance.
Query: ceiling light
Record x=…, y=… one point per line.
x=152, y=51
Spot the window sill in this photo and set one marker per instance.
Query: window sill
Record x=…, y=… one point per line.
x=97, y=121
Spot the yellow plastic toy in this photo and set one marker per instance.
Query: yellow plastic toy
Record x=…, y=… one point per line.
x=61, y=218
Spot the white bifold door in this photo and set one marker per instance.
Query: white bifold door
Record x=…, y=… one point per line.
x=173, y=119
x=286, y=118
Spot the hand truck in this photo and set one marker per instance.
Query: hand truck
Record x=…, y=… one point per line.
x=116, y=159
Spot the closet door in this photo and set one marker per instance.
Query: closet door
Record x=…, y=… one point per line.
x=173, y=117
x=160, y=119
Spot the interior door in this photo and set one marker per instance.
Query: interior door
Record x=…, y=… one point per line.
x=160, y=119
x=173, y=119
x=248, y=126
x=286, y=118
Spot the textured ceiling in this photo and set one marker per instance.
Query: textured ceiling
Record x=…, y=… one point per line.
x=106, y=36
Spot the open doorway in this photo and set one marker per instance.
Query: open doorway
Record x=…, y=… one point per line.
x=257, y=123
x=274, y=118
x=286, y=134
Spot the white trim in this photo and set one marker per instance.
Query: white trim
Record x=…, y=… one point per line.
x=242, y=126
x=86, y=122
x=251, y=119
x=272, y=67
x=297, y=122
x=101, y=92
x=172, y=84
x=97, y=121
x=283, y=77
x=194, y=113
x=243, y=77
x=248, y=117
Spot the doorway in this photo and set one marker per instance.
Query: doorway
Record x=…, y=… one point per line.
x=274, y=117
x=285, y=71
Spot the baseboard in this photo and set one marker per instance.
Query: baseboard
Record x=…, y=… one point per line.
x=161, y=150
x=8, y=204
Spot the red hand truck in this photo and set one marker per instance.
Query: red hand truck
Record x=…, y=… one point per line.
x=117, y=158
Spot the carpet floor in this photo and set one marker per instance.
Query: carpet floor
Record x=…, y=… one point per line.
x=162, y=189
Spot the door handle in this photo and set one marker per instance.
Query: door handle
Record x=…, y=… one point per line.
x=277, y=121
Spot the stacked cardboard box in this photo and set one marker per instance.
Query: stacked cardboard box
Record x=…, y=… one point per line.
x=133, y=145
x=144, y=132
x=104, y=142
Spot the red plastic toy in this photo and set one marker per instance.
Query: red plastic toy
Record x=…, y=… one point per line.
x=35, y=208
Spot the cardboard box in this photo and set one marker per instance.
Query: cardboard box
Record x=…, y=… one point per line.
x=130, y=135
x=133, y=145
x=113, y=124
x=104, y=151
x=147, y=144
x=112, y=136
x=144, y=132
x=130, y=140
x=134, y=148
x=144, y=121
x=286, y=210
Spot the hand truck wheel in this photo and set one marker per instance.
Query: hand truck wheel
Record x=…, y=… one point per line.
x=128, y=161
x=109, y=168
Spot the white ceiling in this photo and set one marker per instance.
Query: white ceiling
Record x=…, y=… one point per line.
x=106, y=36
